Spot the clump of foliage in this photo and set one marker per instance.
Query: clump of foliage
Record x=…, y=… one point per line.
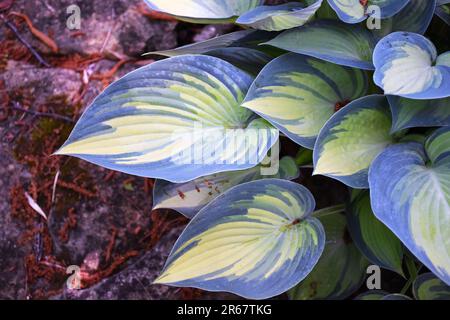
x=356, y=82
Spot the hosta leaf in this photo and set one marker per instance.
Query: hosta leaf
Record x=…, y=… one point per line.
x=428, y=287
x=372, y=295
x=257, y=240
x=373, y=238
x=341, y=268
x=204, y=11
x=298, y=94
x=407, y=65
x=408, y=113
x=351, y=139
x=243, y=38
x=354, y=11
x=176, y=119
x=410, y=193
x=395, y=296
x=247, y=59
x=326, y=12
x=332, y=41
x=415, y=17
x=381, y=295
x=188, y=198
x=280, y=17
x=443, y=11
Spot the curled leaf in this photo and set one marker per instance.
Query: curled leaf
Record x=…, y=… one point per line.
x=280, y=17
x=204, y=11
x=407, y=65
x=188, y=198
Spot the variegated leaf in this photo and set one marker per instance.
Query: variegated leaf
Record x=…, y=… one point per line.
x=176, y=119
x=443, y=12
x=298, y=94
x=354, y=11
x=372, y=295
x=372, y=237
x=243, y=38
x=396, y=296
x=428, y=287
x=415, y=17
x=204, y=11
x=247, y=59
x=351, y=139
x=188, y=198
x=410, y=194
x=408, y=113
x=332, y=41
x=280, y=17
x=257, y=240
x=341, y=268
x=407, y=65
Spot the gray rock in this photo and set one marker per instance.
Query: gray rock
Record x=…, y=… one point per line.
x=115, y=26
x=41, y=83
x=135, y=282
x=12, y=254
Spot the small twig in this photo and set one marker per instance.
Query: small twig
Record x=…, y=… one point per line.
x=37, y=33
x=48, y=6
x=42, y=114
x=108, y=36
x=13, y=28
x=55, y=182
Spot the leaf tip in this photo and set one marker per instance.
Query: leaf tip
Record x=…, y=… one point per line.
x=59, y=152
x=159, y=279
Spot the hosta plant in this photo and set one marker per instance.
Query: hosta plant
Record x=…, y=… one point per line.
x=363, y=89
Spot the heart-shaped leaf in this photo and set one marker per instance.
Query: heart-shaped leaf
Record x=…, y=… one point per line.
x=351, y=139
x=428, y=287
x=298, y=94
x=188, y=198
x=415, y=17
x=372, y=237
x=410, y=194
x=280, y=17
x=341, y=268
x=408, y=113
x=176, y=119
x=204, y=11
x=330, y=40
x=354, y=11
x=407, y=65
x=257, y=240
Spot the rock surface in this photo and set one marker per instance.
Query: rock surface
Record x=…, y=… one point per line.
x=115, y=26
x=39, y=82
x=12, y=252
